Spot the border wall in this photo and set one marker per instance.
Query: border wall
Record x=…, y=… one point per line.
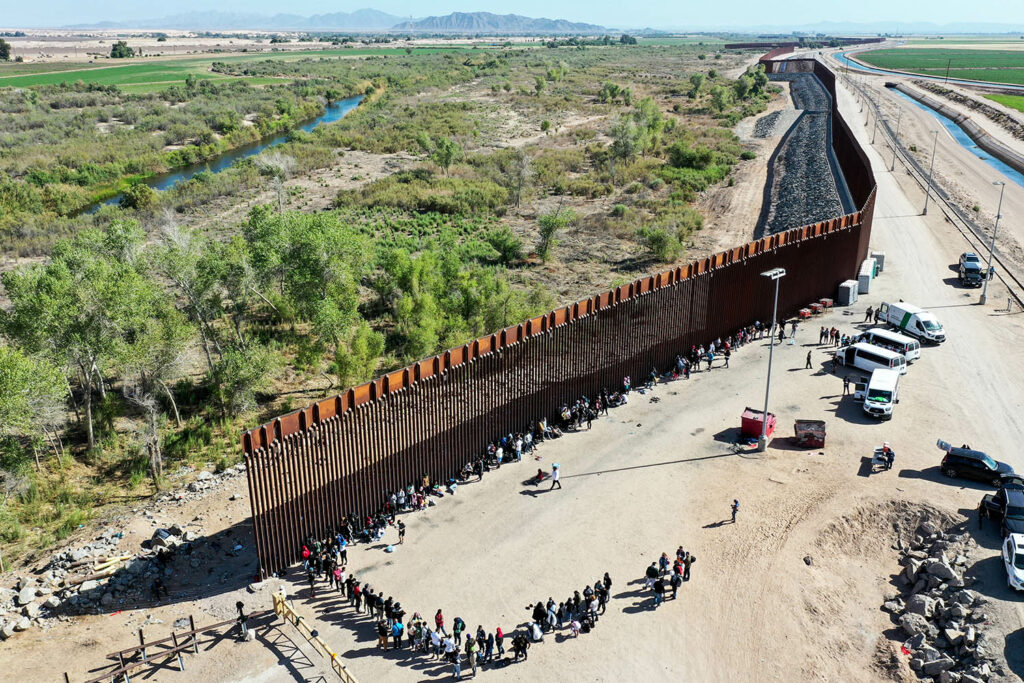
x=343, y=455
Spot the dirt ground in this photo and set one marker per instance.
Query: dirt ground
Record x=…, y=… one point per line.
x=656, y=475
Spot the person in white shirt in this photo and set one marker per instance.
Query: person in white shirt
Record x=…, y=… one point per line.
x=556, y=474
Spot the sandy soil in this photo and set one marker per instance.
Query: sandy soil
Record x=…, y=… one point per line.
x=655, y=475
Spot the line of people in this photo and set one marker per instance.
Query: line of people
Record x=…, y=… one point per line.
x=655, y=579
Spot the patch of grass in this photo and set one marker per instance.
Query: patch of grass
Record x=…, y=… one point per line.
x=1012, y=101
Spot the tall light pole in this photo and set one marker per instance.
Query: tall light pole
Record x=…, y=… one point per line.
x=773, y=274
x=992, y=247
x=928, y=187
x=896, y=139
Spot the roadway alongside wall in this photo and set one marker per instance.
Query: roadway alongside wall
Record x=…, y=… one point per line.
x=345, y=455
x=988, y=143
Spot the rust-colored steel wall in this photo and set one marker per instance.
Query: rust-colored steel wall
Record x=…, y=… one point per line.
x=345, y=454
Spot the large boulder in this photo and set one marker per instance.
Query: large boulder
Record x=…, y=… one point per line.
x=913, y=624
x=88, y=586
x=26, y=595
x=204, y=476
x=910, y=571
x=941, y=570
x=937, y=666
x=920, y=604
x=31, y=610
x=52, y=602
x=964, y=597
x=22, y=624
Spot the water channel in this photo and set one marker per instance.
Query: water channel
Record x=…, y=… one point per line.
x=165, y=181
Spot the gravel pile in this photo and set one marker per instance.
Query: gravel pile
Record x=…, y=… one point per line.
x=942, y=619
x=765, y=125
x=802, y=188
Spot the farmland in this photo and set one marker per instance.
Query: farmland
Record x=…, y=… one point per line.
x=168, y=71
x=994, y=66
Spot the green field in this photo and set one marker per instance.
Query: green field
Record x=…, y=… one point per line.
x=993, y=66
x=1012, y=101
x=158, y=73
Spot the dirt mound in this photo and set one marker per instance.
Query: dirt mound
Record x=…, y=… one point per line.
x=880, y=525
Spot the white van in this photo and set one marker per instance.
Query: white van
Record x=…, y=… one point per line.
x=870, y=357
x=894, y=341
x=912, y=320
x=882, y=394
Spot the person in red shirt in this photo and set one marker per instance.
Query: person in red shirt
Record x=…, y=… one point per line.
x=439, y=622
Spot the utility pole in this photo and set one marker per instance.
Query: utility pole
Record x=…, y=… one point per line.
x=992, y=246
x=774, y=274
x=928, y=187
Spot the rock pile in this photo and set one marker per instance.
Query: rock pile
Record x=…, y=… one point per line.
x=100, y=574
x=765, y=125
x=941, y=617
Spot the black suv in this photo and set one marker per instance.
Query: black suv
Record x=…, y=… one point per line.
x=971, y=464
x=971, y=275
x=1005, y=506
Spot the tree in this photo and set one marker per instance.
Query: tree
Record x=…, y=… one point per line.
x=519, y=173
x=539, y=84
x=549, y=225
x=625, y=141
x=139, y=196
x=5, y=50
x=120, y=50
x=444, y=151
x=88, y=308
x=650, y=124
x=355, y=360
x=238, y=375
x=743, y=86
x=696, y=83
x=720, y=98
x=278, y=166
x=32, y=399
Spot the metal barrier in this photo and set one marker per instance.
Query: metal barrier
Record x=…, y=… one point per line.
x=283, y=609
x=342, y=456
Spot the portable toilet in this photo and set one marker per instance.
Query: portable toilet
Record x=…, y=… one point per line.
x=847, y=295
x=879, y=257
x=866, y=275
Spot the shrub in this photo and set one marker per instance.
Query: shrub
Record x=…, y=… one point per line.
x=619, y=210
x=508, y=246
x=747, y=155
x=661, y=242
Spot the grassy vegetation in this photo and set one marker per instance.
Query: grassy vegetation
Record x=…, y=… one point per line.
x=995, y=66
x=1012, y=101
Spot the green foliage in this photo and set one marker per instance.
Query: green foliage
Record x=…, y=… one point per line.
x=663, y=243
x=444, y=151
x=356, y=360
x=120, y=50
x=140, y=197
x=32, y=394
x=720, y=98
x=545, y=126
x=238, y=374
x=549, y=224
x=696, y=83
x=420, y=191
x=5, y=50
x=507, y=245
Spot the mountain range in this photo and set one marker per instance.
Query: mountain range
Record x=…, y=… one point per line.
x=360, y=20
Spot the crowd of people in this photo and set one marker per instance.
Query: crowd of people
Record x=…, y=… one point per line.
x=325, y=559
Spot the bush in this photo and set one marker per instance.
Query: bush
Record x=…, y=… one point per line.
x=140, y=197
x=507, y=245
x=747, y=155
x=619, y=210
x=661, y=242
x=681, y=155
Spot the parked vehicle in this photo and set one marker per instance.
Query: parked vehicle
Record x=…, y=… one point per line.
x=1013, y=561
x=870, y=357
x=1005, y=506
x=912, y=320
x=971, y=275
x=883, y=393
x=894, y=341
x=971, y=464
x=970, y=258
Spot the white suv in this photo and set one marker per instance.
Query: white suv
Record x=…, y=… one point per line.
x=1013, y=560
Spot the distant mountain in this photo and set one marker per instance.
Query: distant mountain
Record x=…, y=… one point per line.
x=360, y=20
x=485, y=22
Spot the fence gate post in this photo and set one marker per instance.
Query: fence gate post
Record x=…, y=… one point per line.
x=181, y=663
x=195, y=636
x=142, y=642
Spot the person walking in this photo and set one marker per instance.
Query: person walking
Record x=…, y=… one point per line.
x=456, y=665
x=735, y=509
x=726, y=355
x=807, y=366
x=676, y=581
x=439, y=623
x=659, y=591
x=401, y=532
x=382, y=634
x=846, y=386
x=556, y=475
x=867, y=315
x=471, y=650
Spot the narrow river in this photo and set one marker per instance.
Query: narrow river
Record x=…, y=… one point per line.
x=165, y=181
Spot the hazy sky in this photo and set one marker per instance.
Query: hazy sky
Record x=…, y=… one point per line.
x=653, y=13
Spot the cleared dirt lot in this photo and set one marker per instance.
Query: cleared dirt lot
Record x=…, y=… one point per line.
x=654, y=475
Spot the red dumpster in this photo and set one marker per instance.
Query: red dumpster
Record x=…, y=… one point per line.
x=752, y=421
